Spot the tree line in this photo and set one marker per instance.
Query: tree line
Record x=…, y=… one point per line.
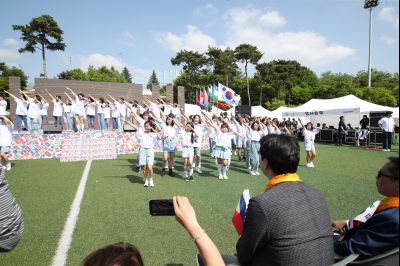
x=279, y=82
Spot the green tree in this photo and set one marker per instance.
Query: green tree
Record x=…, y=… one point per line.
x=153, y=80
x=7, y=72
x=247, y=53
x=333, y=85
x=274, y=103
x=41, y=33
x=285, y=75
x=223, y=63
x=126, y=74
x=192, y=63
x=381, y=96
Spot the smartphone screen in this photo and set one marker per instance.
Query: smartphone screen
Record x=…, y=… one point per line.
x=161, y=207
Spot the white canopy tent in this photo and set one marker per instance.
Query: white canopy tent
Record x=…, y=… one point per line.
x=328, y=111
x=260, y=111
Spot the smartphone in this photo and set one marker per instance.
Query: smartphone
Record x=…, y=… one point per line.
x=161, y=207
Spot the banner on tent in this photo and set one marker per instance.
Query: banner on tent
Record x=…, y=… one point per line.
x=322, y=113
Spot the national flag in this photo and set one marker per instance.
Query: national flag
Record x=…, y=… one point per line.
x=228, y=95
x=206, y=103
x=201, y=99
x=217, y=99
x=239, y=216
x=197, y=98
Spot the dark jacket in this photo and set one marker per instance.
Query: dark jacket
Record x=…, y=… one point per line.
x=377, y=235
x=287, y=225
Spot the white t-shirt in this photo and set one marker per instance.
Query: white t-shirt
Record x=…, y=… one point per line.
x=224, y=139
x=22, y=106
x=169, y=132
x=45, y=107
x=106, y=112
x=3, y=107
x=309, y=135
x=176, y=112
x=115, y=112
x=121, y=109
x=67, y=108
x=255, y=135
x=5, y=134
x=34, y=109
x=100, y=108
x=200, y=130
x=146, y=140
x=91, y=109
x=186, y=138
x=58, y=108
x=79, y=106
x=387, y=123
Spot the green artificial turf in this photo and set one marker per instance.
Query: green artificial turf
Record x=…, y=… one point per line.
x=115, y=203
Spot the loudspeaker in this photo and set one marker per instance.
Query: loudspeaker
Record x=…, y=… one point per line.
x=375, y=117
x=128, y=128
x=243, y=110
x=376, y=138
x=52, y=129
x=327, y=135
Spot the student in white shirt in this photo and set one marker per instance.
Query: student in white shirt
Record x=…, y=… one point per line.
x=21, y=111
x=146, y=140
x=79, y=102
x=222, y=150
x=3, y=106
x=107, y=115
x=58, y=106
x=188, y=136
x=309, y=137
x=6, y=128
x=34, y=117
x=100, y=112
x=68, y=114
x=255, y=133
x=44, y=111
x=387, y=125
x=170, y=138
x=90, y=112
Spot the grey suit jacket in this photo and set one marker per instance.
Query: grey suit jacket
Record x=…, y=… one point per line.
x=287, y=225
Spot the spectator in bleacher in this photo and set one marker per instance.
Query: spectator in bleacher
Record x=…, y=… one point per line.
x=376, y=230
x=11, y=222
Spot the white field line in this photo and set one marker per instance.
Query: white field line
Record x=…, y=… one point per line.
x=60, y=258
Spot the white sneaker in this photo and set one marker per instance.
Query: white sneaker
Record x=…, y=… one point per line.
x=309, y=165
x=146, y=183
x=250, y=172
x=257, y=173
x=151, y=182
x=225, y=176
x=253, y=173
x=198, y=170
x=8, y=167
x=220, y=177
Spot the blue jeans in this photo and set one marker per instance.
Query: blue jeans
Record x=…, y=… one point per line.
x=45, y=119
x=106, y=123
x=254, y=156
x=57, y=121
x=102, y=123
x=90, y=119
x=387, y=142
x=19, y=120
x=340, y=136
x=115, y=122
x=68, y=120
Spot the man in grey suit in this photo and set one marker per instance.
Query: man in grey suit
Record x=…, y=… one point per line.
x=289, y=223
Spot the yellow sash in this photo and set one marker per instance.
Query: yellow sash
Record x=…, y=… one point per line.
x=387, y=203
x=290, y=177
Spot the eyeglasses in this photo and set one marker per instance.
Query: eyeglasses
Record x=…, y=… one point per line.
x=380, y=174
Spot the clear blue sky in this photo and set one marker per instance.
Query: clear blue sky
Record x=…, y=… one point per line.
x=143, y=35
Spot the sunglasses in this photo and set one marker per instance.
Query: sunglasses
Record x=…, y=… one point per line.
x=380, y=174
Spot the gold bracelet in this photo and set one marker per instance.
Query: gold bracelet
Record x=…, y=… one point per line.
x=199, y=237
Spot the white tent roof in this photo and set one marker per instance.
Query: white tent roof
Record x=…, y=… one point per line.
x=345, y=102
x=260, y=111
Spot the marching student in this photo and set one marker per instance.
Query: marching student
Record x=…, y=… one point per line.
x=146, y=140
x=80, y=102
x=256, y=131
x=241, y=139
x=57, y=109
x=222, y=150
x=6, y=128
x=309, y=137
x=188, y=136
x=21, y=111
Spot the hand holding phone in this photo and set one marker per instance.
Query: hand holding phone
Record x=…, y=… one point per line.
x=161, y=207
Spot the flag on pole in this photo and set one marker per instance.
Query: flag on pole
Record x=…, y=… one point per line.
x=197, y=98
x=223, y=97
x=239, y=216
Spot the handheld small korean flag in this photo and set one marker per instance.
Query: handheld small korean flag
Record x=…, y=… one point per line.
x=239, y=215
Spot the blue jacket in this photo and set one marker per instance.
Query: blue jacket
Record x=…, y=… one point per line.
x=378, y=235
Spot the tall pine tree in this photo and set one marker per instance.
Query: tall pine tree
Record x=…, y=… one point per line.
x=152, y=80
